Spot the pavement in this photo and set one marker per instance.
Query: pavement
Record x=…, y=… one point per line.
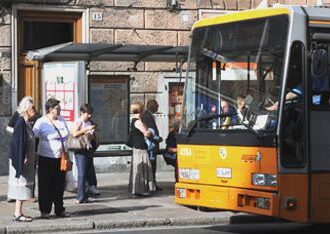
x=114, y=208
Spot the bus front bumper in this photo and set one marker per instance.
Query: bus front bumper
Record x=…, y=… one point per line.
x=227, y=198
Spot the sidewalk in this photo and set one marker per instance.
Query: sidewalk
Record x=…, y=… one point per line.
x=115, y=208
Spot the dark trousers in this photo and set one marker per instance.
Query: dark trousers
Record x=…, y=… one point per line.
x=83, y=167
x=50, y=185
x=91, y=176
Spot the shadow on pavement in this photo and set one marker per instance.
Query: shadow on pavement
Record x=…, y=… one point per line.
x=99, y=209
x=120, y=192
x=246, y=218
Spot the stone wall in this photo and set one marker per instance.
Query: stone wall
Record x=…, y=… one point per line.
x=4, y=146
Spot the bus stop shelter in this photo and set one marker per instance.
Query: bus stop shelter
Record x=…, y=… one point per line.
x=89, y=52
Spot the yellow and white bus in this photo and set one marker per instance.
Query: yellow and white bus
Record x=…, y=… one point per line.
x=256, y=114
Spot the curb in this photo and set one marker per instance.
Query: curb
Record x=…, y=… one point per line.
x=56, y=227
x=138, y=223
x=107, y=225
x=200, y=221
x=133, y=223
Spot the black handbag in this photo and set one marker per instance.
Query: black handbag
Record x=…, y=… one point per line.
x=129, y=141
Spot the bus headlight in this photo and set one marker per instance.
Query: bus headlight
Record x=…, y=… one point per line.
x=264, y=179
x=189, y=174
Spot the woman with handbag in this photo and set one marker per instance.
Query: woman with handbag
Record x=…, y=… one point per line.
x=141, y=180
x=52, y=131
x=83, y=131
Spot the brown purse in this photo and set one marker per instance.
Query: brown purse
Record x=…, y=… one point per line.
x=66, y=163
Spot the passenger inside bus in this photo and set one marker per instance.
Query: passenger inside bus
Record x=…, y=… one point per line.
x=228, y=121
x=240, y=108
x=293, y=94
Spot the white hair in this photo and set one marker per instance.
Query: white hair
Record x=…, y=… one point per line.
x=24, y=104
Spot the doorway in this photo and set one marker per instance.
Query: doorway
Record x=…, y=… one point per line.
x=39, y=29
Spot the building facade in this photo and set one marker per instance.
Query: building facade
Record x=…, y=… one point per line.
x=31, y=24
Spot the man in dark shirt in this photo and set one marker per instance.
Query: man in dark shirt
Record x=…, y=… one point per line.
x=149, y=121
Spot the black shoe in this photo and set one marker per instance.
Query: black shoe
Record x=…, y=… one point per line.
x=45, y=216
x=63, y=215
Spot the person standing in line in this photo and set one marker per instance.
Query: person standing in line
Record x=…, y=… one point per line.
x=171, y=151
x=52, y=131
x=149, y=120
x=91, y=175
x=22, y=160
x=11, y=125
x=83, y=127
x=141, y=180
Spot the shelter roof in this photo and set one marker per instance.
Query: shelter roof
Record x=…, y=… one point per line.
x=110, y=52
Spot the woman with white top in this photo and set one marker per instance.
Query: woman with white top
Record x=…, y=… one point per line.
x=52, y=131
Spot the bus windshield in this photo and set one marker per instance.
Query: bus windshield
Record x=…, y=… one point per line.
x=235, y=72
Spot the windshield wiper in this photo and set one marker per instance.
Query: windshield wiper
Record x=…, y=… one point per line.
x=252, y=130
x=208, y=117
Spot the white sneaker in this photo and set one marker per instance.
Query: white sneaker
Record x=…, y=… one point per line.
x=93, y=190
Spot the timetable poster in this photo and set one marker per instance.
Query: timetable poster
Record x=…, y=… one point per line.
x=60, y=84
x=109, y=96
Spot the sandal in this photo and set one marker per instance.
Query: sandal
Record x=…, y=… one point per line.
x=22, y=218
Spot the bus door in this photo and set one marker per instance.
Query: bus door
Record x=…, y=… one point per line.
x=293, y=166
x=319, y=101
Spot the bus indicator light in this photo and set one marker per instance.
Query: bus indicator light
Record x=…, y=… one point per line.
x=223, y=172
x=181, y=192
x=290, y=203
x=263, y=203
x=189, y=173
x=264, y=179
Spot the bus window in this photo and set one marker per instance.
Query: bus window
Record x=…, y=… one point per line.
x=228, y=68
x=320, y=76
x=292, y=134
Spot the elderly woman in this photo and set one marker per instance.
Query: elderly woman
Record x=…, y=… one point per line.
x=141, y=179
x=22, y=159
x=52, y=131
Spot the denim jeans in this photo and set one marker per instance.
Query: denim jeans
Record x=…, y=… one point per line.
x=82, y=160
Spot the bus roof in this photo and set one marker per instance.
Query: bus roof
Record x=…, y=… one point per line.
x=242, y=15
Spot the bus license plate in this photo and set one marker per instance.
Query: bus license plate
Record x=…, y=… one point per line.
x=182, y=193
x=224, y=172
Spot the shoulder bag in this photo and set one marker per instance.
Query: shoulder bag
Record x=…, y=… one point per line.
x=77, y=143
x=66, y=163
